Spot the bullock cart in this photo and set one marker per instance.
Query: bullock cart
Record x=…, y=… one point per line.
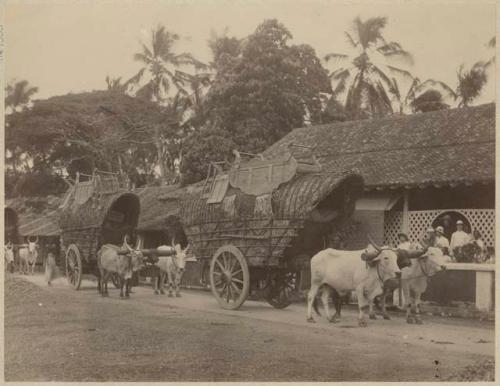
x=98, y=210
x=257, y=222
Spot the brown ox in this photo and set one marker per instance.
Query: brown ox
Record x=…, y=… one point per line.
x=112, y=259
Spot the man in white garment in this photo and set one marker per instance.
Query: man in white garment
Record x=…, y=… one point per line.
x=441, y=241
x=459, y=238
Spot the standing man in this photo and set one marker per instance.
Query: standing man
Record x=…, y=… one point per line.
x=458, y=238
x=441, y=241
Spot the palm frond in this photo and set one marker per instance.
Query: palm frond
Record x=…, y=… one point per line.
x=493, y=42
x=140, y=57
x=351, y=40
x=381, y=75
x=400, y=71
x=392, y=49
x=335, y=56
x=438, y=83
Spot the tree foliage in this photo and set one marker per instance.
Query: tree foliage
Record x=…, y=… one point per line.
x=429, y=100
x=80, y=132
x=264, y=86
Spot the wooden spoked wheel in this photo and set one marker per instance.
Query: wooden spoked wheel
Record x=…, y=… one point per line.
x=282, y=285
x=73, y=266
x=229, y=277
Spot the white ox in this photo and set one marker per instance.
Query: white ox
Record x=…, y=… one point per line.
x=171, y=266
x=414, y=280
x=28, y=255
x=362, y=271
x=9, y=257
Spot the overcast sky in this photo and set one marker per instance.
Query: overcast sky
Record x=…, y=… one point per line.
x=68, y=47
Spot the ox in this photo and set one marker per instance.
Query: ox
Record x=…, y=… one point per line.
x=404, y=260
x=9, y=257
x=414, y=280
x=362, y=271
x=110, y=261
x=28, y=255
x=171, y=266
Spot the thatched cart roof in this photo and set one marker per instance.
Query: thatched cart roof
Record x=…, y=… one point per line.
x=158, y=204
x=445, y=147
x=93, y=212
x=292, y=200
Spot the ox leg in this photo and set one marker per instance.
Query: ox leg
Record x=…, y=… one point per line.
x=338, y=307
x=371, y=311
x=178, y=284
x=128, y=283
x=311, y=298
x=170, y=284
x=104, y=284
x=408, y=301
x=325, y=295
x=161, y=278
x=363, y=306
x=154, y=278
x=384, y=309
x=418, y=318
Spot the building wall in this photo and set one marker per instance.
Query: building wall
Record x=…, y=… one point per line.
x=367, y=221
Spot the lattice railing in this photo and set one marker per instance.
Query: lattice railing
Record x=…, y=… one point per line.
x=480, y=219
x=393, y=223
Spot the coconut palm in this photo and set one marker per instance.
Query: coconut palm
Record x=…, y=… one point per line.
x=366, y=80
x=18, y=95
x=161, y=65
x=470, y=83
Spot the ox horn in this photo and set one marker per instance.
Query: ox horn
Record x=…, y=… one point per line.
x=139, y=243
x=415, y=254
x=375, y=245
x=125, y=242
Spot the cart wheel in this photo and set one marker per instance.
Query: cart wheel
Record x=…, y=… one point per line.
x=116, y=280
x=73, y=266
x=282, y=285
x=229, y=277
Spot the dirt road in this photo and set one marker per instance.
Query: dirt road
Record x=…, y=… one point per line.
x=58, y=334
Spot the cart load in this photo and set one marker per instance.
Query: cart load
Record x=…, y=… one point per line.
x=253, y=219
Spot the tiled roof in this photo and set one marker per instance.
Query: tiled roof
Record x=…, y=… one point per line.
x=37, y=216
x=443, y=147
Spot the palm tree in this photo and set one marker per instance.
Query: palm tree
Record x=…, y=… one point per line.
x=162, y=64
x=19, y=95
x=115, y=85
x=470, y=83
x=366, y=81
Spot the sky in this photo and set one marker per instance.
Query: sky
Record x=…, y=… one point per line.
x=64, y=47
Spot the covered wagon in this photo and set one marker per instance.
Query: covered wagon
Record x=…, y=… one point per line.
x=259, y=222
x=98, y=210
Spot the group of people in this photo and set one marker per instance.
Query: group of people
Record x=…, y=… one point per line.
x=462, y=247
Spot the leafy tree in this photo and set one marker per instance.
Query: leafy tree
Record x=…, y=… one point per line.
x=366, y=79
x=429, y=100
x=80, y=132
x=264, y=86
x=202, y=147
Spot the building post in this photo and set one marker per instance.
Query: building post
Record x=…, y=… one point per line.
x=406, y=216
